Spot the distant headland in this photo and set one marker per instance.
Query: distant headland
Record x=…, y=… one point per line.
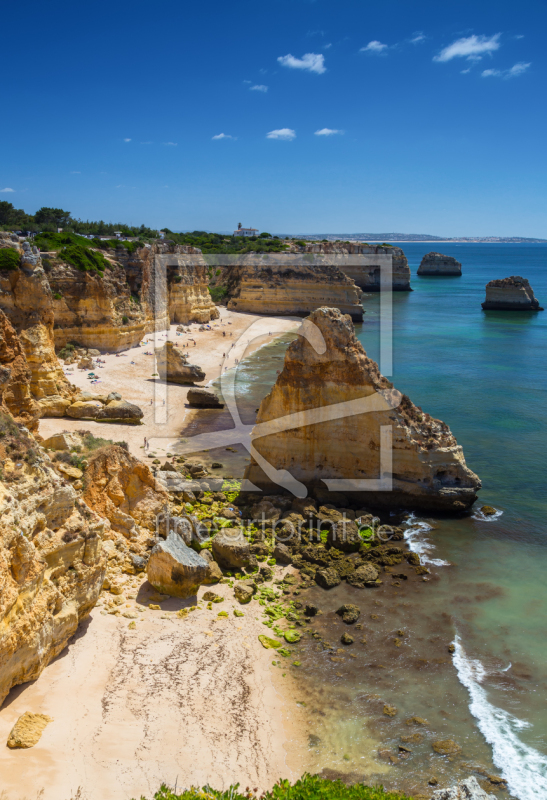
x=413, y=237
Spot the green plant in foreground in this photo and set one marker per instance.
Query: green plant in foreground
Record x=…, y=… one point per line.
x=309, y=787
x=9, y=258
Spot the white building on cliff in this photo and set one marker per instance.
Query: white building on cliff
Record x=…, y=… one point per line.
x=245, y=231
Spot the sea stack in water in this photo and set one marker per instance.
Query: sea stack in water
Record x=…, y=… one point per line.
x=173, y=367
x=510, y=294
x=343, y=402
x=437, y=264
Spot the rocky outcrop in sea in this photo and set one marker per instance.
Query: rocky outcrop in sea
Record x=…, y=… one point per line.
x=344, y=414
x=510, y=294
x=438, y=264
x=367, y=276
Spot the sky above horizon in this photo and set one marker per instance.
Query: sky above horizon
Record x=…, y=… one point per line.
x=292, y=116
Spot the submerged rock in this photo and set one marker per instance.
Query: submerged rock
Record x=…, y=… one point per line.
x=176, y=569
x=350, y=613
x=203, y=398
x=344, y=403
x=510, y=294
x=437, y=264
x=173, y=367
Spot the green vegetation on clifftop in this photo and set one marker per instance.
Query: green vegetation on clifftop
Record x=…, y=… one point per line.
x=309, y=787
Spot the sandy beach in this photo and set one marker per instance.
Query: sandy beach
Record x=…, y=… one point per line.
x=187, y=701
x=164, y=405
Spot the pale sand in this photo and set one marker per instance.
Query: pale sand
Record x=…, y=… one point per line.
x=188, y=701
x=163, y=423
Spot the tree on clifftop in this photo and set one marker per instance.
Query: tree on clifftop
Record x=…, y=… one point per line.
x=52, y=216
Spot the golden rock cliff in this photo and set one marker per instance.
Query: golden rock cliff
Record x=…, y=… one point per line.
x=51, y=561
x=367, y=276
x=15, y=378
x=295, y=290
x=342, y=440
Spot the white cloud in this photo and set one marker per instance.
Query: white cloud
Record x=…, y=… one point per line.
x=282, y=133
x=7, y=189
x=247, y=81
x=465, y=71
x=170, y=144
x=127, y=140
x=223, y=136
x=312, y=62
x=374, y=47
x=327, y=132
x=516, y=69
x=418, y=37
x=259, y=87
x=327, y=46
x=75, y=172
x=470, y=47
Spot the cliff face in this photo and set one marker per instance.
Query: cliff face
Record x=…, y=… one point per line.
x=142, y=292
x=51, y=561
x=428, y=469
x=26, y=299
x=15, y=378
x=437, y=264
x=510, y=294
x=368, y=277
x=292, y=290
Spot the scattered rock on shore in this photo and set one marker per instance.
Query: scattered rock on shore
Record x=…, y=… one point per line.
x=173, y=367
x=203, y=398
x=467, y=789
x=27, y=730
x=175, y=569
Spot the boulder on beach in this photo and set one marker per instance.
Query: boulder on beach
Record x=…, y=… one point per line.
x=203, y=398
x=27, y=730
x=175, y=569
x=62, y=441
x=173, y=366
x=437, y=264
x=231, y=548
x=510, y=294
x=104, y=410
x=467, y=789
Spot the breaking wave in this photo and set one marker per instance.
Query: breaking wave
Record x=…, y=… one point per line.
x=523, y=767
x=414, y=537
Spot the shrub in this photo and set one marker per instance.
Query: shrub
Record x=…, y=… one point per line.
x=9, y=258
x=217, y=293
x=83, y=258
x=309, y=787
x=57, y=296
x=125, y=319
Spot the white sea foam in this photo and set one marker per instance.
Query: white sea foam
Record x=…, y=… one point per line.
x=523, y=767
x=480, y=517
x=414, y=536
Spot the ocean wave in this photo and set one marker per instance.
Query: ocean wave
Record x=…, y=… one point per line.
x=417, y=544
x=480, y=517
x=523, y=767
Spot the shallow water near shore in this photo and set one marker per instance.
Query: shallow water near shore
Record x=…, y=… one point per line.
x=484, y=374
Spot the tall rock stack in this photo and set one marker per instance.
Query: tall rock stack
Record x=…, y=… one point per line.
x=436, y=264
x=510, y=294
x=428, y=469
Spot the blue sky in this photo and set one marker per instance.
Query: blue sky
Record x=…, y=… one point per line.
x=341, y=116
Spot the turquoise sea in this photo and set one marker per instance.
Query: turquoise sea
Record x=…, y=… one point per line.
x=483, y=373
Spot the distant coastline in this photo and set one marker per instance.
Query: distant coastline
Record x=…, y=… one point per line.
x=375, y=238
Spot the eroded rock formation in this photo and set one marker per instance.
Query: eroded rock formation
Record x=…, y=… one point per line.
x=274, y=288
x=344, y=441
x=367, y=276
x=51, y=561
x=437, y=264
x=510, y=294
x=173, y=367
x=15, y=378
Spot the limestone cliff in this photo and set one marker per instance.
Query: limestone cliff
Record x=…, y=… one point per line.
x=510, y=294
x=276, y=288
x=428, y=466
x=27, y=301
x=51, y=560
x=437, y=264
x=15, y=378
x=367, y=276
